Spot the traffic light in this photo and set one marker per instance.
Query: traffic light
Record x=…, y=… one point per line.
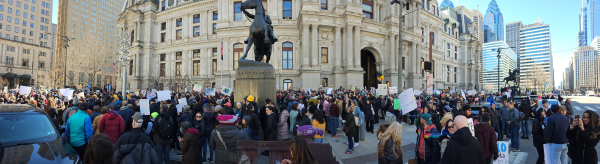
x=516, y=83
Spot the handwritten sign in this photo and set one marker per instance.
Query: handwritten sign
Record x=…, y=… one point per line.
x=382, y=89
x=471, y=126
x=197, y=88
x=502, y=152
x=163, y=95
x=210, y=91
x=145, y=106
x=24, y=90
x=407, y=101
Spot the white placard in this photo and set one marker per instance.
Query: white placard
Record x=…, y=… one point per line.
x=182, y=101
x=502, y=152
x=24, y=90
x=507, y=94
x=179, y=108
x=163, y=95
x=143, y=92
x=5, y=89
x=80, y=95
x=407, y=101
x=393, y=90
x=150, y=95
x=68, y=93
x=154, y=90
x=210, y=91
x=62, y=91
x=471, y=126
x=197, y=88
x=97, y=91
x=472, y=92
x=126, y=91
x=429, y=83
x=482, y=92
x=382, y=89
x=145, y=106
x=226, y=91
x=329, y=91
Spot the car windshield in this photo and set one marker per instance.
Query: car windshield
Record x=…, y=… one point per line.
x=25, y=128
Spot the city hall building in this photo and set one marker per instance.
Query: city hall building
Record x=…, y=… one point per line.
x=178, y=43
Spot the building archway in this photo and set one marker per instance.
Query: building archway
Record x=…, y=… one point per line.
x=368, y=62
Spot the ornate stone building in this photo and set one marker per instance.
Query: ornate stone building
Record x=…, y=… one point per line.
x=321, y=43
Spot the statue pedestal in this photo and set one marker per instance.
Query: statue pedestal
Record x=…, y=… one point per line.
x=256, y=79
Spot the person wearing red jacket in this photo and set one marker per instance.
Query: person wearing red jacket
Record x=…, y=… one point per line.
x=486, y=135
x=112, y=124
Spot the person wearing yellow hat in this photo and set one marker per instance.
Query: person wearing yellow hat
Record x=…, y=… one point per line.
x=149, y=128
x=250, y=98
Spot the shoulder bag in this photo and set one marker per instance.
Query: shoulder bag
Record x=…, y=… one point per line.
x=232, y=155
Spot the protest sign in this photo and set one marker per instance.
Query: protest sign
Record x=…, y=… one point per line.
x=145, y=106
x=24, y=90
x=179, y=108
x=163, y=95
x=150, y=95
x=393, y=90
x=472, y=92
x=210, y=91
x=6, y=89
x=144, y=92
x=197, y=88
x=397, y=105
x=407, y=101
x=463, y=94
x=80, y=95
x=154, y=90
x=382, y=89
x=429, y=83
x=502, y=152
x=182, y=101
x=471, y=126
x=508, y=94
x=329, y=91
x=226, y=91
x=68, y=93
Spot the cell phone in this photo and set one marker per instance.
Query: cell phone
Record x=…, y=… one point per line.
x=576, y=116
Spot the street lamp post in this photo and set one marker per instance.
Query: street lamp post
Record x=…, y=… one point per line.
x=67, y=40
x=499, y=50
x=123, y=59
x=400, y=25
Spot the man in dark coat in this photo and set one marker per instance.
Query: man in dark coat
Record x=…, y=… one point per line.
x=198, y=106
x=135, y=146
x=463, y=147
x=526, y=109
x=262, y=115
x=271, y=126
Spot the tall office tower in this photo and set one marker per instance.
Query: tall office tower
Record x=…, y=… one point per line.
x=91, y=26
x=25, y=45
x=582, y=34
x=512, y=37
x=536, y=56
x=493, y=23
x=586, y=65
x=506, y=63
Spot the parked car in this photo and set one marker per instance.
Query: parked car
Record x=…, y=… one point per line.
x=28, y=136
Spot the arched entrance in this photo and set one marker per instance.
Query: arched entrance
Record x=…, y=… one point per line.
x=368, y=64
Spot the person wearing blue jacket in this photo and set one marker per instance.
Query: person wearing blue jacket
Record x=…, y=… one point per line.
x=79, y=131
x=515, y=125
x=503, y=114
x=357, y=113
x=556, y=130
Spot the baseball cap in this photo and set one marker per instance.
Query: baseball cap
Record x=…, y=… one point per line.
x=427, y=118
x=137, y=117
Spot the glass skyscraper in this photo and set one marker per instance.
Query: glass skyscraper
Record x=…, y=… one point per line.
x=493, y=23
x=513, y=31
x=536, y=53
x=582, y=38
x=593, y=17
x=508, y=62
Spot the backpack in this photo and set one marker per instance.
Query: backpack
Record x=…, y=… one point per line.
x=165, y=128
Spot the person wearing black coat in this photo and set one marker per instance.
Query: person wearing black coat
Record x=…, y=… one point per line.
x=376, y=106
x=463, y=147
x=197, y=107
x=271, y=125
x=526, y=109
x=538, y=130
x=583, y=140
x=301, y=120
x=367, y=109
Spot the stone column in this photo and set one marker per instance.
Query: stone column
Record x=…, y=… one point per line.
x=305, y=46
x=349, y=54
x=315, y=46
x=357, y=44
x=3, y=52
x=391, y=53
x=414, y=64
x=338, y=48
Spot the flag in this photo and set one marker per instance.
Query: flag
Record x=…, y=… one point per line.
x=221, y=50
x=115, y=67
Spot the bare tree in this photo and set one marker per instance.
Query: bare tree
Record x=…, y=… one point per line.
x=536, y=78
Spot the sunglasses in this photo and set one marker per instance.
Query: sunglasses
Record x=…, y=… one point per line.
x=198, y=116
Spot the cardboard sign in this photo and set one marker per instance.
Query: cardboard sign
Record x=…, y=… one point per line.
x=503, y=152
x=163, y=95
x=471, y=126
x=197, y=88
x=429, y=83
x=24, y=90
x=382, y=89
x=80, y=95
x=407, y=100
x=145, y=106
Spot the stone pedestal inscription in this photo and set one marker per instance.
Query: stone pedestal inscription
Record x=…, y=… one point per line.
x=256, y=79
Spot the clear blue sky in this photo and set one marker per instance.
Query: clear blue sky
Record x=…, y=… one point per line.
x=562, y=15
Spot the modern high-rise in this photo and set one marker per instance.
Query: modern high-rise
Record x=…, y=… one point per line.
x=536, y=56
x=593, y=19
x=582, y=34
x=513, y=31
x=91, y=26
x=493, y=23
x=586, y=68
x=566, y=81
x=491, y=65
x=24, y=42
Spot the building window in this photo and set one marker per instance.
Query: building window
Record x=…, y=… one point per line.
x=214, y=66
x=323, y=4
x=287, y=9
x=163, y=26
x=214, y=28
x=237, y=14
x=196, y=67
x=178, y=69
x=367, y=8
x=130, y=67
x=178, y=34
x=454, y=77
x=196, y=54
x=238, y=50
x=162, y=69
x=178, y=22
x=215, y=52
x=162, y=37
x=287, y=55
x=132, y=35
x=403, y=65
x=9, y=60
x=196, y=18
x=163, y=57
x=287, y=84
x=163, y=5
x=324, y=54
x=196, y=30
x=215, y=15
x=25, y=62
x=324, y=82
x=178, y=55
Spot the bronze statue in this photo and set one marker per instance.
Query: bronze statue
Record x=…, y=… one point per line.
x=512, y=76
x=261, y=31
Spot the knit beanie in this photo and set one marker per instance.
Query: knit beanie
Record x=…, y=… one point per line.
x=227, y=120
